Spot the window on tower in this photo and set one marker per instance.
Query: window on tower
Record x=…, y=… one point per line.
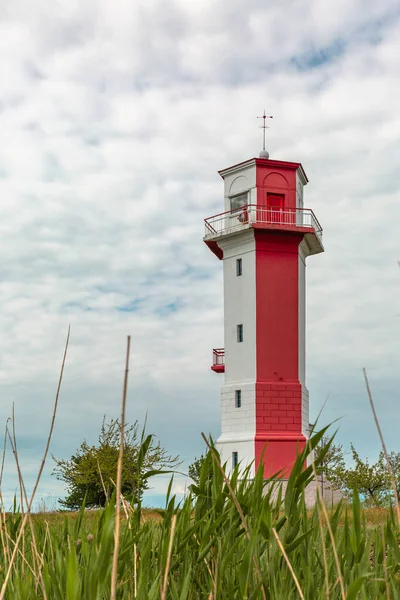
x=238, y=267
x=240, y=333
x=238, y=201
x=238, y=398
x=235, y=459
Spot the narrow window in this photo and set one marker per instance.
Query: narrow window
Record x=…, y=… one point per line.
x=240, y=333
x=238, y=267
x=235, y=459
x=238, y=398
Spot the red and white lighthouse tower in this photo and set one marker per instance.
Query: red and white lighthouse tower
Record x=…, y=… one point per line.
x=263, y=238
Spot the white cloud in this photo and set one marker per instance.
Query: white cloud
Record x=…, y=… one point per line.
x=114, y=122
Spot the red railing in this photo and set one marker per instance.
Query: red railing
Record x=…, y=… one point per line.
x=235, y=220
x=218, y=360
x=219, y=356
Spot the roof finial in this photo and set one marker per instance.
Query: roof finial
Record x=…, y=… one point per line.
x=264, y=153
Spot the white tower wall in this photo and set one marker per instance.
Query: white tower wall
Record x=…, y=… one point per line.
x=238, y=425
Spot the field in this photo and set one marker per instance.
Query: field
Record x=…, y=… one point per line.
x=227, y=540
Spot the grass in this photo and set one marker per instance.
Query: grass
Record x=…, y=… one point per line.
x=90, y=517
x=372, y=516
x=230, y=538
x=204, y=548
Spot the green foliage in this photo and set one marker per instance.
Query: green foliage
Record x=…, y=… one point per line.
x=90, y=474
x=330, y=460
x=394, y=460
x=211, y=552
x=199, y=465
x=371, y=480
x=195, y=468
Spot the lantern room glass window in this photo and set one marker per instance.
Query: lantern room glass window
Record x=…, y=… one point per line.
x=238, y=201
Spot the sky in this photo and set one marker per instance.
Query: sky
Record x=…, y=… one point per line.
x=115, y=118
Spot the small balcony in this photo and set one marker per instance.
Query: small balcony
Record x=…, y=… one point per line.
x=254, y=216
x=218, y=365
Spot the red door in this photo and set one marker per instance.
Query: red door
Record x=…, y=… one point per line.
x=275, y=205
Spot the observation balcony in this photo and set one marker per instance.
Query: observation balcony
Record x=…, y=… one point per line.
x=301, y=220
x=218, y=365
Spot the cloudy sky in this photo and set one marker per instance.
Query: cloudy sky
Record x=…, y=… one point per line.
x=114, y=119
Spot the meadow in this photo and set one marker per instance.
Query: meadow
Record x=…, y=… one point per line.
x=230, y=538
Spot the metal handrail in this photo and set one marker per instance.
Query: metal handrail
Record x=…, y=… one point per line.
x=234, y=220
x=218, y=356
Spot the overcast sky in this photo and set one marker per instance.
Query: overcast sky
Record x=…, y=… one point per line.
x=114, y=119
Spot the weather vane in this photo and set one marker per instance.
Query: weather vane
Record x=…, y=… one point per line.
x=264, y=126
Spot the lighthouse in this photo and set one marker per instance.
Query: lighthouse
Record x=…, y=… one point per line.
x=263, y=237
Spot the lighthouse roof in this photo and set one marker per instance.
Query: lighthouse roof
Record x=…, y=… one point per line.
x=263, y=162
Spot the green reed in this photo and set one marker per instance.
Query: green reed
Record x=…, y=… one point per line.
x=203, y=548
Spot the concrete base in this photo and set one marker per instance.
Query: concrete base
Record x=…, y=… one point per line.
x=330, y=495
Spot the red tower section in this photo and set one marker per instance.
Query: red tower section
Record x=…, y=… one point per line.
x=280, y=431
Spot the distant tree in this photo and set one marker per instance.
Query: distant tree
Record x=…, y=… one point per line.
x=368, y=478
x=92, y=471
x=394, y=460
x=371, y=480
x=195, y=468
x=331, y=466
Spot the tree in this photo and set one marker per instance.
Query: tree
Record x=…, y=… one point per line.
x=92, y=471
x=195, y=468
x=331, y=466
x=371, y=480
x=368, y=479
x=394, y=460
